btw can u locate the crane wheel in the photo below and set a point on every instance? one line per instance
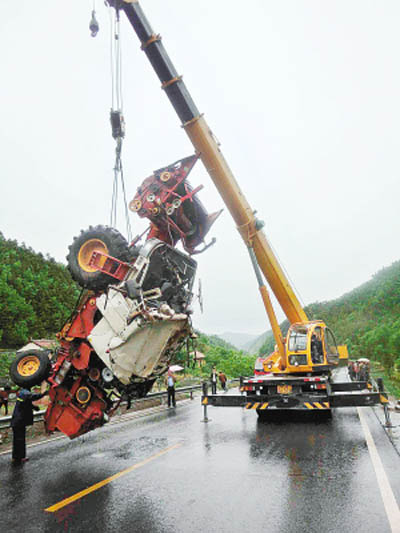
(96, 239)
(30, 368)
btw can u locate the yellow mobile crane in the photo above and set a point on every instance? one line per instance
(298, 373)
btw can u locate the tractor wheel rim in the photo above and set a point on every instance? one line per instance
(86, 251)
(28, 365)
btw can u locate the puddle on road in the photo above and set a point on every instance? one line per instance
(133, 448)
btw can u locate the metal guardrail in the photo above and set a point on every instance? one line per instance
(39, 415)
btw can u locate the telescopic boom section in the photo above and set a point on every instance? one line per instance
(206, 145)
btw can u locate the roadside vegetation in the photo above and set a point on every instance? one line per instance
(5, 361)
(392, 383)
(36, 294)
(224, 356)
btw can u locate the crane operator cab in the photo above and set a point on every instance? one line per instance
(309, 347)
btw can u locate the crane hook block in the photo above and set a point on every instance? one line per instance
(117, 124)
(94, 25)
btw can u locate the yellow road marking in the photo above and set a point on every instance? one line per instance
(248, 405)
(326, 404)
(308, 405)
(97, 486)
(256, 405)
(264, 406)
(318, 405)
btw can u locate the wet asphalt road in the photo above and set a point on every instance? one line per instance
(233, 474)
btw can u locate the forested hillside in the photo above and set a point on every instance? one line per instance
(224, 356)
(36, 294)
(367, 319)
(218, 352)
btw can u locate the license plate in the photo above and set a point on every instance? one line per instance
(284, 389)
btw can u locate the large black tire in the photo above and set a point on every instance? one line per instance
(30, 368)
(99, 238)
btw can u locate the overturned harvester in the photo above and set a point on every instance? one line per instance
(134, 312)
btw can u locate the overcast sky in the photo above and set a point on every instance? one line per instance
(303, 96)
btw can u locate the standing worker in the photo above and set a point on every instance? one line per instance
(4, 394)
(22, 417)
(171, 378)
(213, 378)
(350, 369)
(356, 371)
(364, 370)
(222, 380)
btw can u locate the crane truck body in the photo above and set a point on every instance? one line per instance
(297, 375)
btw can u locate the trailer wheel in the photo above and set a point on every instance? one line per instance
(96, 239)
(30, 368)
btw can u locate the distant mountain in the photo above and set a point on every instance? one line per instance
(216, 340)
(239, 340)
(254, 345)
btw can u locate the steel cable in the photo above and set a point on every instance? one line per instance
(117, 103)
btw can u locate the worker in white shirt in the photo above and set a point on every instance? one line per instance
(171, 378)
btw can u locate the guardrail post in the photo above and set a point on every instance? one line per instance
(381, 387)
(205, 395)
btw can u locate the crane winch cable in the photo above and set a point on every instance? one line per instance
(117, 120)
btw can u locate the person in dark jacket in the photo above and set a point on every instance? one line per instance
(317, 353)
(22, 417)
(213, 379)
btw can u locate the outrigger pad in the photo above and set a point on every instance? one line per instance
(170, 203)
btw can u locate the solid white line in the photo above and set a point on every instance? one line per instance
(389, 500)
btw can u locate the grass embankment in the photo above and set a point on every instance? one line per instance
(392, 384)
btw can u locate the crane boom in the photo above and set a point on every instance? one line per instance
(207, 146)
(297, 374)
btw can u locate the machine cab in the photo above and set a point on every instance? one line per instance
(311, 345)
